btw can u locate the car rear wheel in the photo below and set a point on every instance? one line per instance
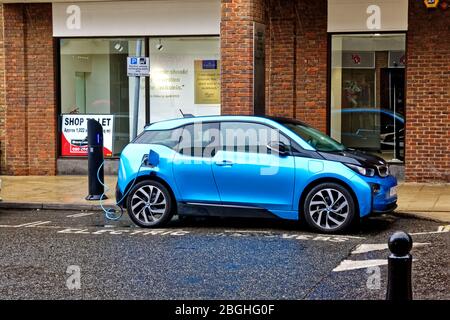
(329, 208)
(150, 204)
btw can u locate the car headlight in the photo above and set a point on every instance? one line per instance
(367, 172)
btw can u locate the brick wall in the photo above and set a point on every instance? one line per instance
(236, 41)
(41, 98)
(312, 63)
(281, 59)
(16, 145)
(428, 95)
(2, 93)
(296, 57)
(29, 90)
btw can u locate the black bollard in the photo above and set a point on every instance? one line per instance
(95, 160)
(399, 286)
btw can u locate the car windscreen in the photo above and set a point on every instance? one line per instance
(315, 138)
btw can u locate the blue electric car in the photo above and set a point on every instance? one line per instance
(250, 166)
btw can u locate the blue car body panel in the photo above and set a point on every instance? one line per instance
(246, 176)
(246, 179)
(194, 179)
(131, 159)
(382, 200)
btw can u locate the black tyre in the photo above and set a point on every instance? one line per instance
(149, 204)
(329, 208)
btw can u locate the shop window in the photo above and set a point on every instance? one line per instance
(367, 93)
(185, 75)
(94, 83)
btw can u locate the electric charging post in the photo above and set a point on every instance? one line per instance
(95, 161)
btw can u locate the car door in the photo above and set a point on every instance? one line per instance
(192, 163)
(247, 172)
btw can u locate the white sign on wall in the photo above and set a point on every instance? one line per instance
(367, 15)
(136, 18)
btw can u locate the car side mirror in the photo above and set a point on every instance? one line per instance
(278, 147)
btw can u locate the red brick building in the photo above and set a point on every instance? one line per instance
(374, 75)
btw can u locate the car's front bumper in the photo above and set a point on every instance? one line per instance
(384, 194)
(374, 194)
(386, 209)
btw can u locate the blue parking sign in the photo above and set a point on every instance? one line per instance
(138, 66)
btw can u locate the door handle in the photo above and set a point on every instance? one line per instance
(224, 163)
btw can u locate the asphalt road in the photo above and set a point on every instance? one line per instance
(42, 252)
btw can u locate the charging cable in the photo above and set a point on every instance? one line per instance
(112, 213)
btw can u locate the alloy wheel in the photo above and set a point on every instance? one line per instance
(148, 204)
(329, 208)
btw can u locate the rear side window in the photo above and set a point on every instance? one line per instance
(200, 140)
(168, 138)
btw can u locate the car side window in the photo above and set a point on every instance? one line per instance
(168, 138)
(250, 137)
(200, 140)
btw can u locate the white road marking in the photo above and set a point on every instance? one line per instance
(318, 237)
(368, 247)
(246, 231)
(312, 237)
(110, 229)
(160, 232)
(37, 224)
(26, 224)
(29, 224)
(79, 215)
(346, 265)
(440, 229)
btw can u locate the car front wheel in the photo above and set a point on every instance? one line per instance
(329, 208)
(149, 204)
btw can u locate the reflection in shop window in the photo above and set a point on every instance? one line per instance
(367, 93)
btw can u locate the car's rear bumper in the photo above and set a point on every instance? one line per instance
(120, 202)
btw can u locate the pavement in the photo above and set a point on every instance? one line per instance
(426, 201)
(49, 254)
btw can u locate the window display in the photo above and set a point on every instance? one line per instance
(367, 93)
